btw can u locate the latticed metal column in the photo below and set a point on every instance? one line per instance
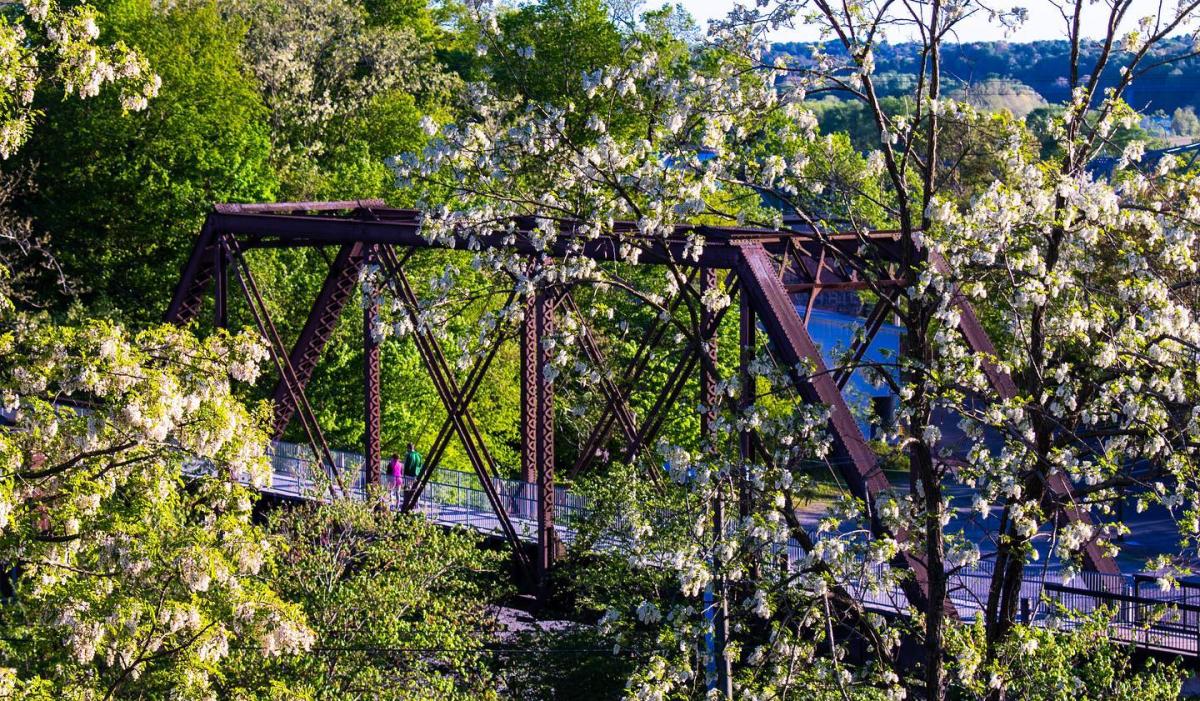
(708, 400)
(221, 278)
(371, 404)
(537, 424)
(746, 333)
(335, 292)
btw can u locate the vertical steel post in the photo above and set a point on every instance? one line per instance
(746, 438)
(530, 372)
(537, 425)
(371, 404)
(708, 400)
(221, 275)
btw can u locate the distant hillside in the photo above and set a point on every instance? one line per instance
(995, 94)
(1041, 65)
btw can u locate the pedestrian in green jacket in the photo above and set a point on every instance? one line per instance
(413, 462)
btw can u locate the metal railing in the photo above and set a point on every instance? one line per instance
(1167, 623)
(451, 497)
(1140, 611)
(1143, 612)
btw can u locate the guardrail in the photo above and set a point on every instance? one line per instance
(1165, 624)
(1144, 614)
(451, 497)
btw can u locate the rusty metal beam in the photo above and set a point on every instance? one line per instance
(612, 393)
(746, 347)
(188, 297)
(794, 346)
(707, 352)
(402, 228)
(708, 360)
(667, 396)
(847, 285)
(451, 397)
(435, 359)
(634, 370)
(675, 384)
(815, 291)
(221, 293)
(862, 343)
(287, 372)
(463, 401)
(852, 455)
(440, 443)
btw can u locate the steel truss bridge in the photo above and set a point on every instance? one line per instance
(766, 270)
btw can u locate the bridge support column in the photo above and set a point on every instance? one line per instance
(746, 332)
(371, 403)
(537, 427)
(709, 400)
(221, 278)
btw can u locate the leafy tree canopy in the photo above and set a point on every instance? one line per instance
(124, 194)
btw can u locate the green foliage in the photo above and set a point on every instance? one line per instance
(44, 44)
(304, 99)
(555, 30)
(576, 664)
(400, 608)
(124, 194)
(891, 458)
(841, 187)
(126, 529)
(539, 52)
(851, 117)
(423, 18)
(1044, 664)
(577, 659)
(346, 83)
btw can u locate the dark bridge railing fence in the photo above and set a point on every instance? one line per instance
(1139, 609)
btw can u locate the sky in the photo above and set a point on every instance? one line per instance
(1044, 22)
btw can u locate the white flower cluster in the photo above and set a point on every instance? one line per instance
(1078, 268)
(161, 414)
(66, 51)
(280, 633)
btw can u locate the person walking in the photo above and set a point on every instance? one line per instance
(413, 462)
(412, 466)
(396, 471)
